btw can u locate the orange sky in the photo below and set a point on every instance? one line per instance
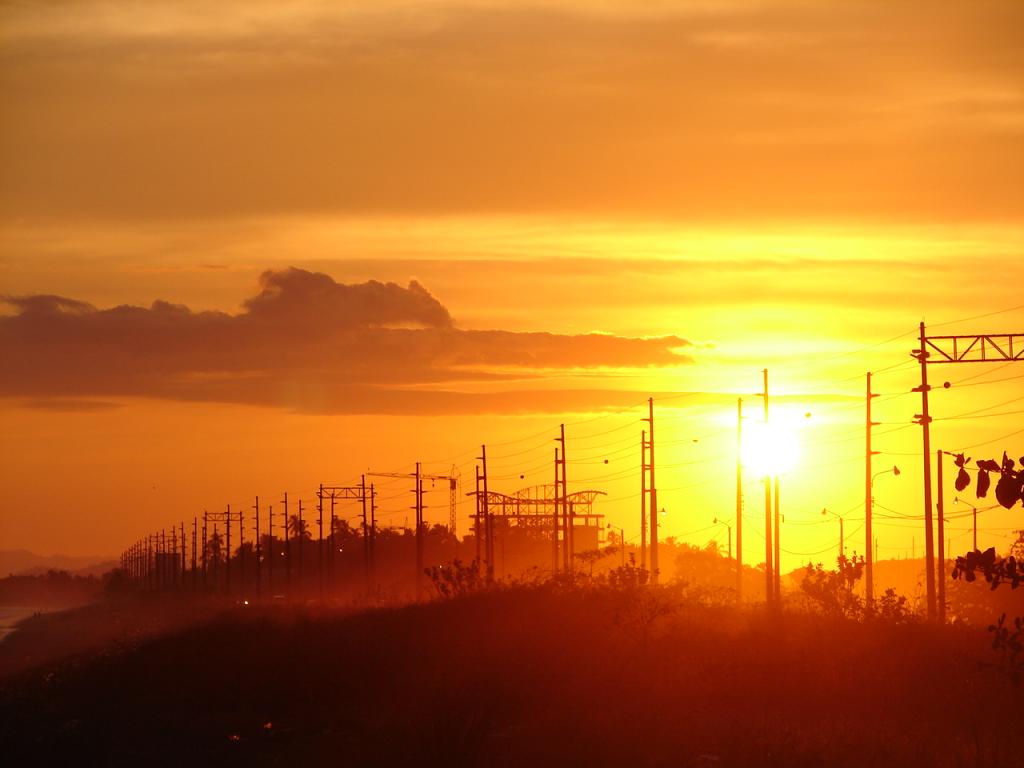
(712, 187)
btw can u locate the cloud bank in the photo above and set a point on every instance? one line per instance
(305, 342)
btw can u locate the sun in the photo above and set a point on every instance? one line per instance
(773, 448)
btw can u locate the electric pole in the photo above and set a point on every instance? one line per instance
(869, 501)
(924, 419)
(941, 525)
(643, 499)
(768, 551)
(419, 531)
(568, 513)
(554, 520)
(227, 571)
(320, 541)
(258, 549)
(739, 500)
(654, 493)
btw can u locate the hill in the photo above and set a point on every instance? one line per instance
(525, 676)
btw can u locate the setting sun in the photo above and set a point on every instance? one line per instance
(773, 448)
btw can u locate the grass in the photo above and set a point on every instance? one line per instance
(526, 676)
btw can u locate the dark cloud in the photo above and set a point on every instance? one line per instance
(304, 341)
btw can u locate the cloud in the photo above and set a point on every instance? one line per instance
(763, 110)
(304, 341)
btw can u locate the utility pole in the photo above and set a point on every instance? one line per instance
(241, 552)
(768, 551)
(419, 531)
(183, 554)
(869, 501)
(258, 549)
(287, 552)
(969, 348)
(554, 520)
(924, 419)
(227, 559)
(195, 542)
(366, 534)
(273, 547)
(488, 523)
(974, 516)
(562, 505)
(941, 524)
(653, 492)
(778, 548)
(320, 541)
(478, 521)
(568, 513)
(739, 500)
(205, 521)
(643, 499)
(373, 535)
(302, 537)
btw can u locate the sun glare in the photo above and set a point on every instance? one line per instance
(773, 448)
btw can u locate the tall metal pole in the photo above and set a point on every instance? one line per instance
(842, 537)
(287, 551)
(241, 552)
(974, 515)
(768, 551)
(778, 547)
(205, 522)
(643, 499)
(320, 541)
(739, 499)
(273, 548)
(488, 524)
(227, 570)
(366, 533)
(419, 531)
(302, 541)
(924, 419)
(554, 521)
(567, 509)
(654, 494)
(940, 574)
(332, 548)
(869, 560)
(258, 550)
(478, 523)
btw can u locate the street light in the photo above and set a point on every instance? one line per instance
(841, 536)
(728, 527)
(974, 515)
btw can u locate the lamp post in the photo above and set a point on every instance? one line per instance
(974, 518)
(728, 527)
(869, 562)
(841, 536)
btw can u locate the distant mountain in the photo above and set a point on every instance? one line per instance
(21, 561)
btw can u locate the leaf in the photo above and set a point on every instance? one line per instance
(1008, 490)
(984, 481)
(962, 479)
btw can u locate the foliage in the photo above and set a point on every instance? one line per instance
(457, 579)
(833, 590)
(994, 568)
(1009, 486)
(893, 607)
(591, 556)
(628, 576)
(1009, 644)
